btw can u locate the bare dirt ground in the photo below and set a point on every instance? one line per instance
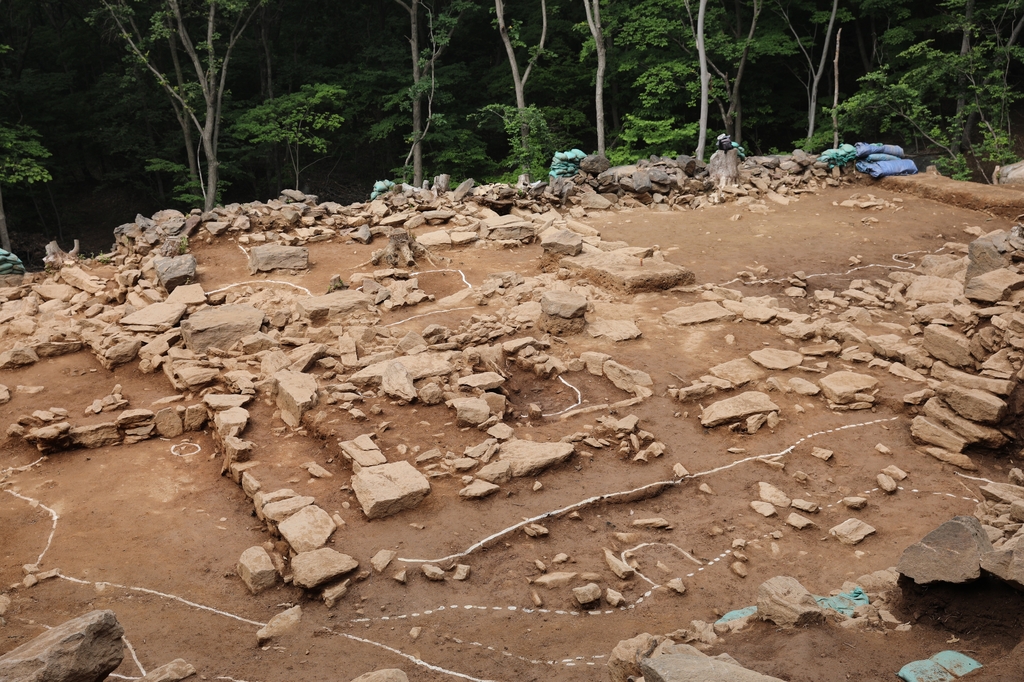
(155, 536)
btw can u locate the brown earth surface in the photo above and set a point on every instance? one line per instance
(157, 536)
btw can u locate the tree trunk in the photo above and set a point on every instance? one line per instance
(5, 239)
(705, 77)
(182, 116)
(835, 96)
(961, 100)
(417, 99)
(519, 82)
(593, 8)
(812, 99)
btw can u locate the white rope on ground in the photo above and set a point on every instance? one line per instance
(18, 470)
(53, 515)
(175, 449)
(611, 496)
(261, 281)
(436, 312)
(898, 257)
(427, 272)
(408, 657)
(135, 658)
(579, 399)
(164, 595)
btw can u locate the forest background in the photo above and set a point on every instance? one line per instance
(110, 108)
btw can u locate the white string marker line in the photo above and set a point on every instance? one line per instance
(53, 515)
(427, 272)
(135, 658)
(896, 257)
(408, 657)
(123, 677)
(579, 399)
(610, 496)
(164, 595)
(261, 281)
(436, 312)
(18, 470)
(175, 449)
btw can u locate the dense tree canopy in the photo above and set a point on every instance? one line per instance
(133, 105)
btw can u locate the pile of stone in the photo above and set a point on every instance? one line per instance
(683, 182)
(962, 348)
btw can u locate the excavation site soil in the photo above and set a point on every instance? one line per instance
(153, 530)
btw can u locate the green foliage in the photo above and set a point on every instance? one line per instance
(183, 246)
(20, 154)
(187, 191)
(532, 154)
(296, 120)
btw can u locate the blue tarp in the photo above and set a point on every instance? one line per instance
(945, 666)
(845, 602)
(864, 149)
(884, 169)
(875, 158)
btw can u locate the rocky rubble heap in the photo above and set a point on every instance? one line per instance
(962, 351)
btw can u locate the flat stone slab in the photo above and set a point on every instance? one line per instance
(484, 381)
(614, 330)
(625, 273)
(928, 289)
(564, 304)
(951, 553)
(158, 317)
(698, 313)
(322, 309)
(307, 529)
(388, 489)
(220, 326)
(738, 372)
(310, 569)
(851, 531)
(269, 257)
(737, 407)
(843, 387)
(528, 458)
(419, 366)
(772, 358)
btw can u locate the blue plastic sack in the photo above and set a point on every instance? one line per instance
(875, 158)
(864, 149)
(945, 666)
(884, 169)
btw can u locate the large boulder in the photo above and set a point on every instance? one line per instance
(220, 326)
(843, 387)
(1006, 564)
(387, 489)
(175, 271)
(83, 649)
(785, 602)
(951, 553)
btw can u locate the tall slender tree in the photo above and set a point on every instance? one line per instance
(593, 10)
(211, 68)
(519, 81)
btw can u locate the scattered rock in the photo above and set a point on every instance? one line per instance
(388, 489)
(785, 602)
(951, 553)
